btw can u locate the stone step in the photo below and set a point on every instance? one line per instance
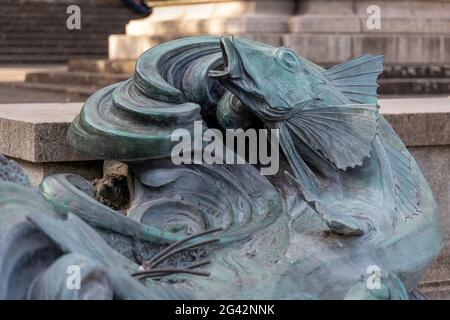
(416, 71)
(51, 43)
(104, 17)
(102, 65)
(24, 17)
(110, 3)
(30, 6)
(36, 31)
(75, 78)
(60, 24)
(74, 50)
(95, 73)
(412, 86)
(76, 36)
(77, 91)
(436, 290)
(61, 28)
(60, 13)
(57, 6)
(14, 58)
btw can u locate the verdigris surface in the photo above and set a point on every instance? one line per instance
(348, 200)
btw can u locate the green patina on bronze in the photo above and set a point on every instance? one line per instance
(349, 196)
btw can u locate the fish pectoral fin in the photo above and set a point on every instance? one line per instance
(338, 222)
(357, 78)
(341, 222)
(306, 179)
(342, 134)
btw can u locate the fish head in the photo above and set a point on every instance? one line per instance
(271, 81)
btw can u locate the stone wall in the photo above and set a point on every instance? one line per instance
(324, 31)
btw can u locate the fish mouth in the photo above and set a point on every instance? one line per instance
(231, 61)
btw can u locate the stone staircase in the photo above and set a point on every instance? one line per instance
(85, 76)
(35, 30)
(415, 80)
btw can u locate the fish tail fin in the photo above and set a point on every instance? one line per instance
(357, 78)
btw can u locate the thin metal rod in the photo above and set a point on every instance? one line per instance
(168, 271)
(198, 264)
(180, 242)
(169, 254)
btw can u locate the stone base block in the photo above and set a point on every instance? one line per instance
(397, 49)
(39, 170)
(434, 161)
(188, 17)
(36, 132)
(419, 121)
(435, 283)
(131, 47)
(122, 46)
(358, 24)
(231, 25)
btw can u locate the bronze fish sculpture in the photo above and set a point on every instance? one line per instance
(329, 126)
(355, 219)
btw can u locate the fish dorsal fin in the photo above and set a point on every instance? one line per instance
(342, 134)
(357, 78)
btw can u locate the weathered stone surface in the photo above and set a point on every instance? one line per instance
(411, 25)
(416, 71)
(414, 86)
(402, 48)
(192, 18)
(435, 283)
(230, 25)
(324, 23)
(130, 47)
(327, 48)
(320, 48)
(76, 78)
(419, 121)
(37, 132)
(39, 170)
(102, 65)
(35, 31)
(411, 32)
(434, 161)
(125, 47)
(260, 20)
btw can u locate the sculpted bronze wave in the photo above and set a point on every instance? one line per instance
(348, 215)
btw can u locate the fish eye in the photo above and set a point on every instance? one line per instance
(287, 58)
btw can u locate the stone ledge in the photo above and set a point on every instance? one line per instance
(37, 171)
(357, 24)
(37, 132)
(419, 121)
(126, 47)
(332, 48)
